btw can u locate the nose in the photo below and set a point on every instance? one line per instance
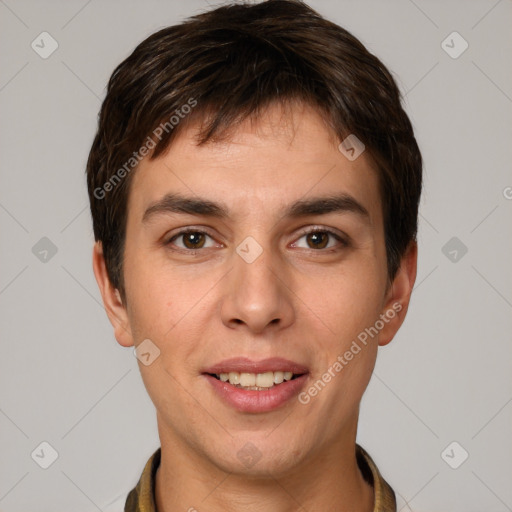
(258, 294)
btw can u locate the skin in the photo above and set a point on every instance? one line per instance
(296, 301)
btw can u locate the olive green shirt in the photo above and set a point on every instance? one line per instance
(142, 497)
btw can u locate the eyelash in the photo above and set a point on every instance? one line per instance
(343, 241)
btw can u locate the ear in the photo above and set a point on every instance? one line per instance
(114, 307)
(397, 298)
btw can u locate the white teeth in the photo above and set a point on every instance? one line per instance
(234, 378)
(256, 381)
(278, 377)
(265, 380)
(247, 379)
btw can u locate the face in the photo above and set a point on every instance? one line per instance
(264, 253)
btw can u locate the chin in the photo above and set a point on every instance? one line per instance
(256, 455)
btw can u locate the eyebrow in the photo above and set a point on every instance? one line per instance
(176, 203)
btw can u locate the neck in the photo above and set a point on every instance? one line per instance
(331, 480)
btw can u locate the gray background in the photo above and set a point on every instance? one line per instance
(445, 377)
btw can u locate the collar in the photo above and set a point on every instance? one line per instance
(142, 497)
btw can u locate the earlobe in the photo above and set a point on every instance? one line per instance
(114, 307)
(399, 294)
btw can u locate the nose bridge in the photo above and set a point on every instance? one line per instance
(256, 295)
(253, 267)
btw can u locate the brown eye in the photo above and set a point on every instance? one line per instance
(193, 240)
(317, 240)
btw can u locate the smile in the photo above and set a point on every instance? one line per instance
(256, 381)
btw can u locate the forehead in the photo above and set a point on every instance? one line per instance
(268, 161)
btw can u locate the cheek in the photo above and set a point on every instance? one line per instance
(155, 298)
(158, 305)
(354, 300)
(169, 312)
(345, 360)
(352, 305)
(172, 309)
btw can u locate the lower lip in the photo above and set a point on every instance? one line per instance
(246, 400)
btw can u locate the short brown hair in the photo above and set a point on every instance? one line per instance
(228, 64)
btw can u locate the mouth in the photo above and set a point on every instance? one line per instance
(245, 373)
(256, 386)
(255, 381)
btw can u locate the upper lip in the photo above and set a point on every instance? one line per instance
(246, 365)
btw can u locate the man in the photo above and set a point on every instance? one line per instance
(254, 187)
